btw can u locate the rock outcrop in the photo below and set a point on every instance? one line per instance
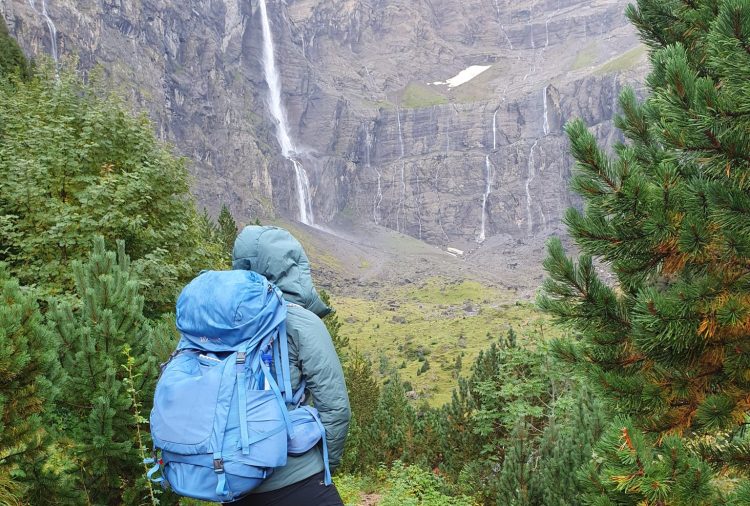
(381, 138)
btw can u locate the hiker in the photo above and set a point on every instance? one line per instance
(276, 254)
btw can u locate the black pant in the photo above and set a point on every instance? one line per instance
(309, 492)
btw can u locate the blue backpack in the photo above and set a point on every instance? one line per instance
(221, 417)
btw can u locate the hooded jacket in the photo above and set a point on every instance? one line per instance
(277, 255)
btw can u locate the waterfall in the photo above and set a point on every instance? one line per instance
(378, 200)
(368, 163)
(403, 182)
(545, 123)
(487, 191)
(400, 134)
(502, 27)
(529, 178)
(494, 130)
(531, 25)
(448, 127)
(52, 30)
(288, 150)
(418, 211)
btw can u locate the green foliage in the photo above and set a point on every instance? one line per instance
(29, 379)
(130, 379)
(565, 446)
(332, 323)
(507, 387)
(414, 486)
(427, 319)
(389, 434)
(226, 230)
(513, 483)
(106, 356)
(425, 367)
(364, 393)
(631, 468)
(667, 343)
(349, 488)
(75, 163)
(12, 59)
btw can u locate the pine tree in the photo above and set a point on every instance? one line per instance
(332, 323)
(209, 229)
(29, 375)
(628, 463)
(565, 446)
(390, 434)
(669, 215)
(513, 483)
(226, 230)
(364, 393)
(106, 321)
(456, 444)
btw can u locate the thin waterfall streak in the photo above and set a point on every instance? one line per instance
(612, 130)
(531, 25)
(378, 199)
(494, 130)
(487, 190)
(545, 123)
(52, 32)
(403, 182)
(368, 146)
(447, 133)
(288, 150)
(417, 208)
(400, 134)
(531, 173)
(502, 27)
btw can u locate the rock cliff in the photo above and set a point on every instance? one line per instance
(383, 132)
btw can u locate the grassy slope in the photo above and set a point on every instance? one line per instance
(438, 320)
(399, 299)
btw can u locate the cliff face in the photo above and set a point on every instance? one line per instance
(382, 134)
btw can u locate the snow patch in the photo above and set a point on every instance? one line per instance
(464, 76)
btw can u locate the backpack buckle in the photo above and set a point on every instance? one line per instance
(218, 466)
(240, 357)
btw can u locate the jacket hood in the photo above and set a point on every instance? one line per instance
(276, 254)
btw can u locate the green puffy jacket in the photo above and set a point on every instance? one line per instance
(277, 255)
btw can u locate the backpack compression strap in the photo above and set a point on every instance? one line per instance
(314, 412)
(226, 388)
(281, 361)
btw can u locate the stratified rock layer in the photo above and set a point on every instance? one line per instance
(379, 141)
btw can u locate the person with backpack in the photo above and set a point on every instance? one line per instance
(274, 253)
(251, 409)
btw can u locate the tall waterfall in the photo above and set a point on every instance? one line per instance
(51, 27)
(288, 150)
(487, 191)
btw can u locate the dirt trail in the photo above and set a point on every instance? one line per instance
(369, 500)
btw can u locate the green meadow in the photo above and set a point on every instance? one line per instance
(443, 323)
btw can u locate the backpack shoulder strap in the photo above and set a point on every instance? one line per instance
(281, 352)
